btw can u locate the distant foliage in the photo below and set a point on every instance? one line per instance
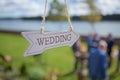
(94, 15)
(57, 11)
(91, 18)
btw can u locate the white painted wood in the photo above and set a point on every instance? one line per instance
(39, 42)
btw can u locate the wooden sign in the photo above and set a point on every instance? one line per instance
(39, 42)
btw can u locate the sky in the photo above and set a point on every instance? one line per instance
(32, 8)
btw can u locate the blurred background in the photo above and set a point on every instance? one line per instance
(16, 16)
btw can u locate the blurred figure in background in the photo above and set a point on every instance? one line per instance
(5, 63)
(92, 41)
(97, 62)
(118, 61)
(76, 51)
(110, 43)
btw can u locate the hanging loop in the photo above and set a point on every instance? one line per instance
(44, 15)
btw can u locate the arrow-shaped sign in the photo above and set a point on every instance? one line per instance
(40, 42)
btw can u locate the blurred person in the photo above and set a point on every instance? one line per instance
(76, 51)
(92, 41)
(110, 43)
(118, 61)
(97, 62)
(5, 63)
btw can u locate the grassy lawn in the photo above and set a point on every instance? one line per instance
(60, 59)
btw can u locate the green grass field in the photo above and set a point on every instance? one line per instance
(59, 59)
